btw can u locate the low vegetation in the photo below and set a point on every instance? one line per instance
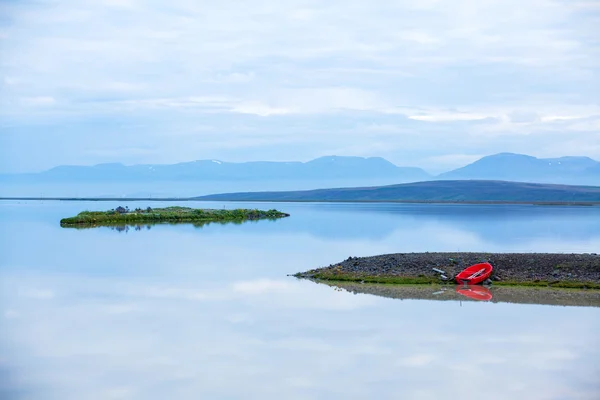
(123, 215)
(396, 280)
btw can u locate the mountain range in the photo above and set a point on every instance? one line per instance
(523, 168)
(502, 166)
(333, 167)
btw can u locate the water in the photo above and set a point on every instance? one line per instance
(209, 313)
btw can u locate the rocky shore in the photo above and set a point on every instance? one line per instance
(527, 269)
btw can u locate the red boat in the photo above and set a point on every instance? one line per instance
(475, 274)
(475, 292)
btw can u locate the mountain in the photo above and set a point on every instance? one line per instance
(462, 190)
(523, 168)
(324, 168)
(323, 172)
(593, 170)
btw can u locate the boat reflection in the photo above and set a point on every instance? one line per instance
(475, 292)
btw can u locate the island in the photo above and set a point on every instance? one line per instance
(175, 214)
(521, 269)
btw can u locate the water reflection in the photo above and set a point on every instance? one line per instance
(512, 224)
(433, 226)
(179, 312)
(126, 227)
(75, 337)
(475, 292)
(495, 294)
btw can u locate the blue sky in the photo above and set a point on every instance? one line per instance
(435, 84)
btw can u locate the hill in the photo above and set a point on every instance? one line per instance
(524, 168)
(323, 172)
(331, 167)
(462, 190)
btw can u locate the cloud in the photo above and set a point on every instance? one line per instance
(261, 286)
(417, 360)
(523, 117)
(11, 314)
(448, 116)
(35, 293)
(38, 101)
(154, 347)
(260, 109)
(302, 70)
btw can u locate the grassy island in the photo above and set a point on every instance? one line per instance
(514, 269)
(122, 215)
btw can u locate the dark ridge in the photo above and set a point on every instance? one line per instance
(432, 191)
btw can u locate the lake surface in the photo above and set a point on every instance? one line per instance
(178, 312)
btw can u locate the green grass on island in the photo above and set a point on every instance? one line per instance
(123, 215)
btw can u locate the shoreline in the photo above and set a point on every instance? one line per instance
(510, 269)
(466, 202)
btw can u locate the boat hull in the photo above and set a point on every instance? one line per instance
(475, 274)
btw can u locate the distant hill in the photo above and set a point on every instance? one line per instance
(324, 168)
(461, 190)
(330, 171)
(523, 168)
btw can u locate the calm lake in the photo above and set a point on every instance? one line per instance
(178, 312)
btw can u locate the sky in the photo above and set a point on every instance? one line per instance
(429, 83)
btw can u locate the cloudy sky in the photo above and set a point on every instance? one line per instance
(430, 83)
